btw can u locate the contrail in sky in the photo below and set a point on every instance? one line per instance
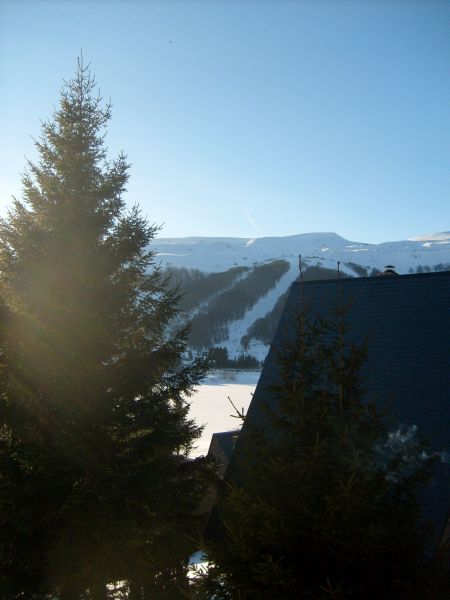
(248, 217)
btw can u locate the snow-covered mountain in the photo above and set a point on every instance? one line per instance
(219, 254)
(213, 255)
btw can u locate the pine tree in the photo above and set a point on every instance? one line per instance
(321, 501)
(95, 483)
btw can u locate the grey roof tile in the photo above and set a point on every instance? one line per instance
(407, 319)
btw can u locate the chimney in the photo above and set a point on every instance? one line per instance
(388, 270)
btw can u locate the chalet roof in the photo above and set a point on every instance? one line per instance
(407, 319)
(225, 440)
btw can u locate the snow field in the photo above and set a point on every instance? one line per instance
(211, 407)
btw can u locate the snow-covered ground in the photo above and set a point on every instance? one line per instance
(211, 407)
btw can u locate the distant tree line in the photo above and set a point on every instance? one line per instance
(427, 269)
(358, 269)
(317, 273)
(218, 357)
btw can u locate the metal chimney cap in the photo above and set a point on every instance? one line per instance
(389, 270)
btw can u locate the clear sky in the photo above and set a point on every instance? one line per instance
(246, 118)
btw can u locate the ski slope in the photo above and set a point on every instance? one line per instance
(237, 329)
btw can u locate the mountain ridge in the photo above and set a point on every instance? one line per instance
(210, 254)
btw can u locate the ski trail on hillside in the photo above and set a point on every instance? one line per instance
(265, 304)
(205, 303)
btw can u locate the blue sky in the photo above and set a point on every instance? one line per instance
(249, 118)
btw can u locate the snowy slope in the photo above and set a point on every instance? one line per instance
(325, 249)
(440, 238)
(264, 305)
(211, 407)
(219, 254)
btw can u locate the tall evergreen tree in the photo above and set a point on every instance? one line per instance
(95, 483)
(321, 500)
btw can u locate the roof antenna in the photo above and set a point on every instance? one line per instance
(339, 269)
(300, 266)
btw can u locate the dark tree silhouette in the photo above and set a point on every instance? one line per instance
(319, 502)
(95, 484)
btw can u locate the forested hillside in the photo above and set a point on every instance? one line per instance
(217, 299)
(196, 286)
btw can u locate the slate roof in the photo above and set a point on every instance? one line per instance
(407, 319)
(221, 448)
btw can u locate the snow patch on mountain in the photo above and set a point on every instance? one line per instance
(443, 236)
